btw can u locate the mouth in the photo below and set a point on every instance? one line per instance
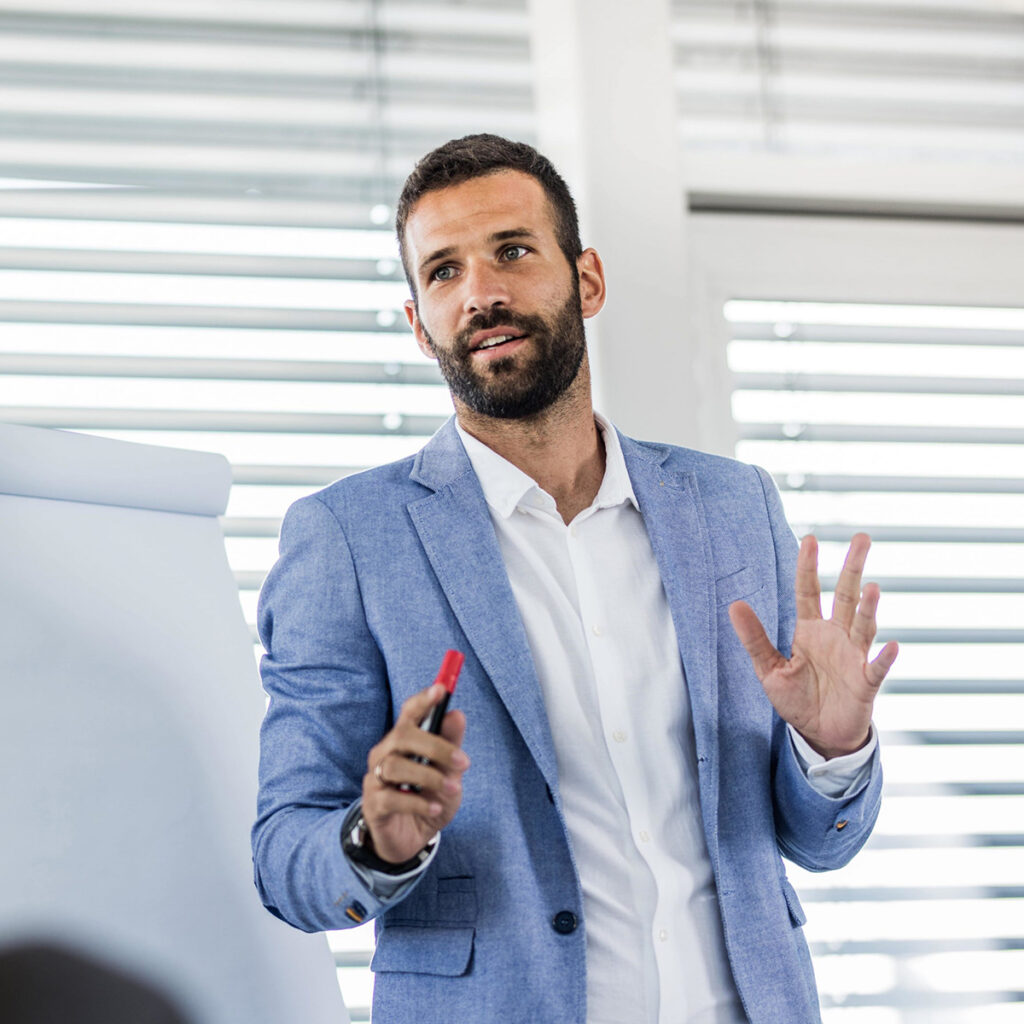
(497, 341)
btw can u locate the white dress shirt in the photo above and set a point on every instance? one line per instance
(600, 631)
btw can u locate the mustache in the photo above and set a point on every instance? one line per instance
(525, 323)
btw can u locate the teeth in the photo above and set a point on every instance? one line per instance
(499, 340)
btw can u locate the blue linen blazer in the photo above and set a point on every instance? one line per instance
(383, 571)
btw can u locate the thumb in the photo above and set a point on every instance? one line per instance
(753, 637)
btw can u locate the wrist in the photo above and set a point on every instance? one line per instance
(357, 845)
(830, 753)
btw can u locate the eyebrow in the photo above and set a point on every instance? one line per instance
(504, 236)
(498, 236)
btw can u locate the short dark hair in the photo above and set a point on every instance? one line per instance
(475, 156)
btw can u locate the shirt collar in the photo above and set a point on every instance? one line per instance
(506, 487)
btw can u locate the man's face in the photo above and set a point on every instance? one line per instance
(499, 306)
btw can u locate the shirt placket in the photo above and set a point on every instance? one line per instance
(611, 655)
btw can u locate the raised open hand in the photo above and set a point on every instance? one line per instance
(827, 687)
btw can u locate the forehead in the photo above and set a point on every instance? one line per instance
(474, 209)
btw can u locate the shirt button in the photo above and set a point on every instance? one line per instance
(564, 922)
(663, 935)
(645, 837)
(619, 736)
(597, 630)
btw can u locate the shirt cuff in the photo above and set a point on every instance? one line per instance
(385, 886)
(837, 776)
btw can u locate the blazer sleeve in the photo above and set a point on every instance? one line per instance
(813, 830)
(329, 703)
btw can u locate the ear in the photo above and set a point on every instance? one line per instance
(592, 287)
(417, 329)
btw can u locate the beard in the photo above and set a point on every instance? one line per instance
(516, 386)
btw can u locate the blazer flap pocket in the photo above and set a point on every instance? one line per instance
(445, 951)
(443, 902)
(796, 912)
(736, 585)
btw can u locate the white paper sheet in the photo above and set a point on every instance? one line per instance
(81, 467)
(128, 732)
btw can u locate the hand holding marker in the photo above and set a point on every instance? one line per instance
(447, 676)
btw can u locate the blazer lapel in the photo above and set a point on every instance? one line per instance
(454, 526)
(674, 516)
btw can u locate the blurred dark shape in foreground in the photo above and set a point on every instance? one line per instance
(45, 984)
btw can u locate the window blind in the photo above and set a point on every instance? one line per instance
(908, 422)
(867, 106)
(926, 78)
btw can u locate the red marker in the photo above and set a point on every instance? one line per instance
(447, 676)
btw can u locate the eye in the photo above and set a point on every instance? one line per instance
(443, 273)
(514, 252)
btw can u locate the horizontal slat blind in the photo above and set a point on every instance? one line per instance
(322, 98)
(195, 240)
(907, 422)
(939, 79)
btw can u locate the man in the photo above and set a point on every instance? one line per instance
(613, 854)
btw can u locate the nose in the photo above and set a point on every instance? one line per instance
(485, 287)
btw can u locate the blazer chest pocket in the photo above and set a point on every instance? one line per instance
(424, 950)
(736, 586)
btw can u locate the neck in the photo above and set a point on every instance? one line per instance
(560, 448)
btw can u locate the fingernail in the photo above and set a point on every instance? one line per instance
(435, 810)
(452, 785)
(459, 759)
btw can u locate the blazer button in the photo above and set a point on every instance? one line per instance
(564, 922)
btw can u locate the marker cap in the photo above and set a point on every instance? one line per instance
(448, 673)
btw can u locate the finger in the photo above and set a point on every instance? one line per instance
(453, 728)
(415, 709)
(377, 775)
(412, 741)
(865, 623)
(847, 594)
(808, 587)
(407, 773)
(753, 637)
(878, 669)
(382, 804)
